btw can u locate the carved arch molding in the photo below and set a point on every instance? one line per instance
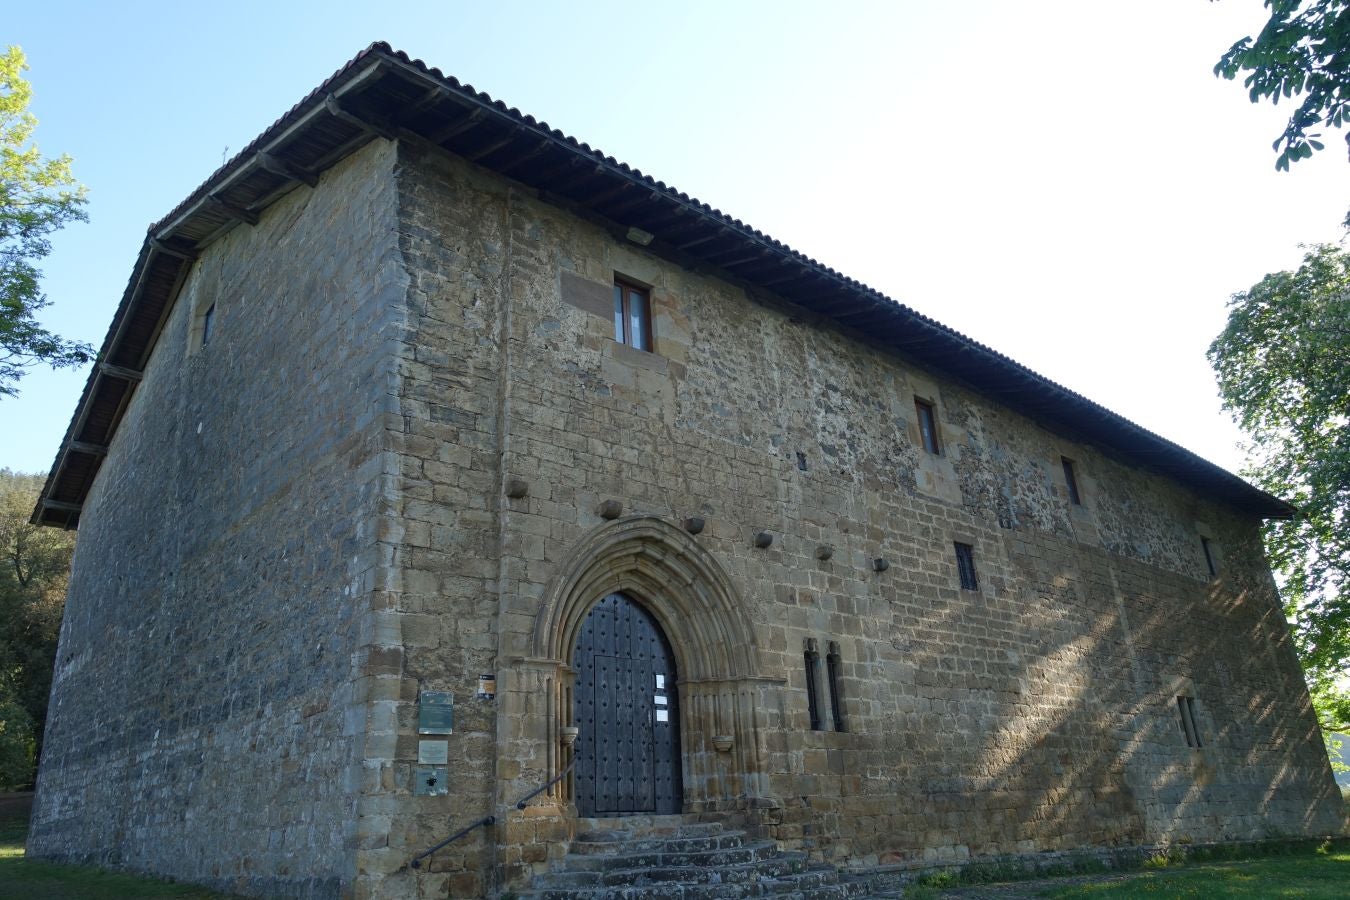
(726, 708)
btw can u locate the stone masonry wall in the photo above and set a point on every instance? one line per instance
(205, 720)
(1035, 713)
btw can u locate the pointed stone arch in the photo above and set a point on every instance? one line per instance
(725, 706)
(673, 576)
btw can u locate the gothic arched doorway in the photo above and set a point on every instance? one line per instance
(627, 713)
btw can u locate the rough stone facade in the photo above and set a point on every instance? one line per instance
(385, 472)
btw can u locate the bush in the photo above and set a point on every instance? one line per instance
(17, 746)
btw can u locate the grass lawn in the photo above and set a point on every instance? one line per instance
(1277, 869)
(1313, 876)
(22, 879)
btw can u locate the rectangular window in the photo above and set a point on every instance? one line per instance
(927, 425)
(1186, 706)
(965, 564)
(1209, 557)
(632, 315)
(832, 666)
(1070, 481)
(812, 659)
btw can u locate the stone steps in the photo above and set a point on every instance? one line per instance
(665, 858)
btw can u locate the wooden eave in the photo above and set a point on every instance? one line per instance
(383, 94)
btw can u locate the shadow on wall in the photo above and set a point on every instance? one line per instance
(1048, 719)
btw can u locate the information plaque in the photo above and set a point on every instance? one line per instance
(436, 712)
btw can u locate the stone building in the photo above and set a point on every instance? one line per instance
(432, 452)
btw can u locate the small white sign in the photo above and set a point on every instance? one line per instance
(434, 753)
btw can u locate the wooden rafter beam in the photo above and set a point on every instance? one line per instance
(609, 193)
(88, 447)
(337, 110)
(472, 120)
(277, 166)
(237, 213)
(491, 146)
(586, 174)
(168, 250)
(121, 372)
(422, 104)
(525, 156)
(62, 506)
(719, 233)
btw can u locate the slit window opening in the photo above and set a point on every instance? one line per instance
(1186, 706)
(832, 666)
(812, 660)
(207, 318)
(965, 565)
(1071, 481)
(1209, 557)
(927, 425)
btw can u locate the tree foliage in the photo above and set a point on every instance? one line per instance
(37, 197)
(1283, 363)
(34, 570)
(1303, 51)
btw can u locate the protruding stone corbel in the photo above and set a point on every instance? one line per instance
(824, 552)
(880, 564)
(763, 540)
(517, 488)
(694, 524)
(609, 509)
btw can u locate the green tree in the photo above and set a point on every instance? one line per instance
(1301, 52)
(34, 571)
(37, 197)
(1283, 363)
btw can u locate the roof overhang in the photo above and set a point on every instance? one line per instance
(381, 93)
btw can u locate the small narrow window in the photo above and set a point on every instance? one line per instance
(1071, 482)
(832, 665)
(1209, 557)
(927, 425)
(207, 318)
(1186, 706)
(632, 315)
(812, 660)
(965, 565)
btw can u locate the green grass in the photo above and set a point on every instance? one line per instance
(23, 879)
(1273, 869)
(1311, 876)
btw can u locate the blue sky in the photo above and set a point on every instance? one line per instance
(1065, 181)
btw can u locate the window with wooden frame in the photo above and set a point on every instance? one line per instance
(632, 314)
(833, 663)
(1186, 706)
(1209, 557)
(965, 566)
(928, 432)
(1071, 481)
(811, 657)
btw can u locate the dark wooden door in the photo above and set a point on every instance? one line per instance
(627, 710)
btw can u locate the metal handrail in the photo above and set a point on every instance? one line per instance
(486, 820)
(520, 804)
(490, 820)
